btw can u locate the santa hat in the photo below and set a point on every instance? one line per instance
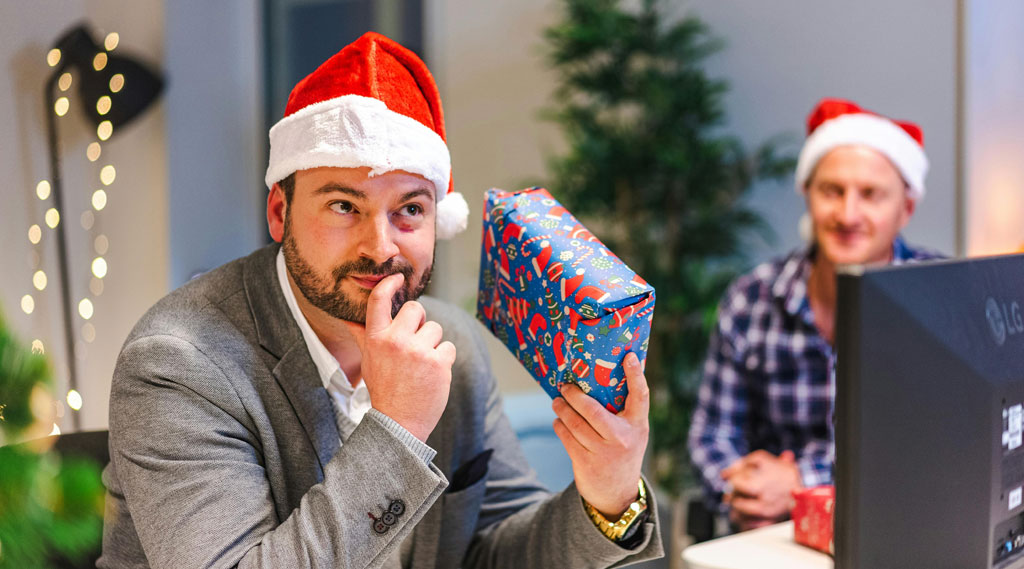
(373, 104)
(836, 122)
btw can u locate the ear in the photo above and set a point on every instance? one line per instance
(909, 205)
(277, 209)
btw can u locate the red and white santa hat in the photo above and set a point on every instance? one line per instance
(373, 104)
(837, 122)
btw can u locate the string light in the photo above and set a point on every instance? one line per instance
(74, 400)
(52, 218)
(87, 219)
(85, 309)
(99, 267)
(55, 431)
(43, 190)
(39, 280)
(28, 304)
(61, 106)
(99, 200)
(103, 105)
(104, 130)
(107, 175)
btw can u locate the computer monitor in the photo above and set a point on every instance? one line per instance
(929, 392)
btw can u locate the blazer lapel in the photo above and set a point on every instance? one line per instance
(295, 371)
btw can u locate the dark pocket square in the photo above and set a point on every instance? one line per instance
(471, 472)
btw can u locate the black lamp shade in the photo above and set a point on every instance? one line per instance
(139, 86)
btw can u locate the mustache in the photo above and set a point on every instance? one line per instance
(367, 267)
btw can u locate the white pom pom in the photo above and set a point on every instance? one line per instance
(452, 215)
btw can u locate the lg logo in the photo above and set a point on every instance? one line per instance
(1003, 319)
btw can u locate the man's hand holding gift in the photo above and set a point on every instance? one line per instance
(606, 449)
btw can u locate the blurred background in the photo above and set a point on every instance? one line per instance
(181, 188)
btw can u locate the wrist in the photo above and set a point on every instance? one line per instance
(623, 523)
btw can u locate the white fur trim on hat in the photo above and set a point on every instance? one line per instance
(452, 215)
(353, 131)
(869, 130)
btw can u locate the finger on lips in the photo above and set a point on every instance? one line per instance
(378, 305)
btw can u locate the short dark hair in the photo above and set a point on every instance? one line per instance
(288, 185)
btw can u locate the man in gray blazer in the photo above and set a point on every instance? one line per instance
(299, 408)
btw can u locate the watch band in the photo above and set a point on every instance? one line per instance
(616, 530)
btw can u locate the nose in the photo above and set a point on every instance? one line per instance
(377, 243)
(850, 209)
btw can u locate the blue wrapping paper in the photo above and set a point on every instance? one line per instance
(566, 306)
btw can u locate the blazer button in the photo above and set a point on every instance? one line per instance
(389, 518)
(380, 527)
(397, 507)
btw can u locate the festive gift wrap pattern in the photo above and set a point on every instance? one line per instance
(812, 517)
(566, 306)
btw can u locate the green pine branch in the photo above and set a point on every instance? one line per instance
(49, 507)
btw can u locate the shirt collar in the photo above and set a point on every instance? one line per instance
(326, 364)
(791, 285)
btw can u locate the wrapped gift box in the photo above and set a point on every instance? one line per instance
(566, 306)
(812, 517)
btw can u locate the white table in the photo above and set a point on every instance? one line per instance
(769, 547)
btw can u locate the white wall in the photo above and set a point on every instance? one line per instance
(994, 126)
(134, 220)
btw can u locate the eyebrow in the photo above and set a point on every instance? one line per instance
(415, 194)
(332, 187)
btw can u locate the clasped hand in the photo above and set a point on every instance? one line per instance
(762, 487)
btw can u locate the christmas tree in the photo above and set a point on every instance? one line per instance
(649, 166)
(50, 508)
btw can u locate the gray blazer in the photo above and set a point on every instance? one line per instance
(225, 453)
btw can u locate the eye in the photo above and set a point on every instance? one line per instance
(342, 207)
(411, 210)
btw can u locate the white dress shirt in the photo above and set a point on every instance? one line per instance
(350, 403)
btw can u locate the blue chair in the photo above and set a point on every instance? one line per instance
(531, 416)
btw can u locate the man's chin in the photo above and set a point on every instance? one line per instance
(857, 254)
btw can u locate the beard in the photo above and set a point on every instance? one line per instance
(325, 291)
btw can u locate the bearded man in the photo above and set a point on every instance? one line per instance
(300, 408)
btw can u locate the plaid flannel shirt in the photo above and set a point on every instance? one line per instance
(769, 377)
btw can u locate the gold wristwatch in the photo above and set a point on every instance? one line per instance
(617, 529)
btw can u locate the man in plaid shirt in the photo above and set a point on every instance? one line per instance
(763, 423)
